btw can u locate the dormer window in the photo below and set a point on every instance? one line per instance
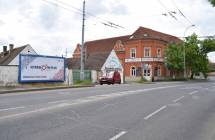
(131, 37)
(145, 34)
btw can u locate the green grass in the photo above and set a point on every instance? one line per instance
(83, 82)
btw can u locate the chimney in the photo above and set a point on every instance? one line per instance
(11, 46)
(4, 49)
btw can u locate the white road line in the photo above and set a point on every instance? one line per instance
(118, 135)
(194, 92)
(86, 100)
(178, 99)
(154, 113)
(6, 109)
(54, 102)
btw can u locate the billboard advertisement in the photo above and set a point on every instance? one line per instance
(37, 68)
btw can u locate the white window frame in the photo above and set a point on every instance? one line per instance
(133, 71)
(131, 52)
(146, 72)
(147, 51)
(159, 54)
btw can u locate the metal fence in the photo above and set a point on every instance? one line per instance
(76, 75)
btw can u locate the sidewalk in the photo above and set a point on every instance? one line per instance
(5, 90)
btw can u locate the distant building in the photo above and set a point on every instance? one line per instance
(140, 54)
(10, 56)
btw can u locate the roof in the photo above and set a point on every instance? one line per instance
(94, 62)
(6, 58)
(146, 33)
(103, 45)
(95, 59)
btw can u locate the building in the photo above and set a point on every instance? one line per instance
(140, 54)
(9, 61)
(10, 56)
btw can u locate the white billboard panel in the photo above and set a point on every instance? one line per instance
(37, 68)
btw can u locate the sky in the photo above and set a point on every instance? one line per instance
(53, 26)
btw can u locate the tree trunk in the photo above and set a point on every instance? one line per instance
(192, 74)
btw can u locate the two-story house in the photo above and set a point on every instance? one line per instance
(141, 53)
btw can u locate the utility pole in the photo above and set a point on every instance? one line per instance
(82, 44)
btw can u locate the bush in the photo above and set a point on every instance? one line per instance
(142, 80)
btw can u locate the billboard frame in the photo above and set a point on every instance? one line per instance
(39, 81)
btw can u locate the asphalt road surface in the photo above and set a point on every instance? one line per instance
(159, 111)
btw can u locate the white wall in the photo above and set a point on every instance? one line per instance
(94, 76)
(69, 77)
(8, 75)
(27, 50)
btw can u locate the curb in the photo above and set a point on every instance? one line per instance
(42, 89)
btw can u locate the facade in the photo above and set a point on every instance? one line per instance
(141, 54)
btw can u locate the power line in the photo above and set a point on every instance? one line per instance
(171, 13)
(183, 15)
(79, 11)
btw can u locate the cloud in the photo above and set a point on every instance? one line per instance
(48, 16)
(119, 9)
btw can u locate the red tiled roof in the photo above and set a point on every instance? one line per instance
(146, 33)
(103, 45)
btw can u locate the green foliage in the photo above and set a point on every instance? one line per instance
(196, 55)
(208, 45)
(212, 2)
(174, 57)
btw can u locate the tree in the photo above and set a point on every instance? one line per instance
(208, 45)
(212, 2)
(196, 54)
(174, 58)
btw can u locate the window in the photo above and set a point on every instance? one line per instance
(147, 52)
(147, 72)
(157, 71)
(133, 71)
(158, 52)
(133, 53)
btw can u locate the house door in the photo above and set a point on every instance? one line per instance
(147, 72)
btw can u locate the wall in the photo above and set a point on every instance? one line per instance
(8, 75)
(94, 76)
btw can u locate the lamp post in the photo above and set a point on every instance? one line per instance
(186, 29)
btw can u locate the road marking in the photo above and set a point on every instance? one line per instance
(118, 135)
(54, 102)
(6, 109)
(194, 92)
(86, 100)
(178, 99)
(154, 113)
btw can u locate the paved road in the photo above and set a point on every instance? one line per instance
(160, 111)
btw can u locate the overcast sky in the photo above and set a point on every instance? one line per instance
(51, 29)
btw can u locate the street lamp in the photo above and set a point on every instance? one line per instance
(185, 73)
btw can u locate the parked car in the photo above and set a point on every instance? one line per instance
(110, 78)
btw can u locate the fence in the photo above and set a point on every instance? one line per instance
(76, 75)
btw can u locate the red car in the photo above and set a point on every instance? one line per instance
(110, 78)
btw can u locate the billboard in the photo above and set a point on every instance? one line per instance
(38, 68)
